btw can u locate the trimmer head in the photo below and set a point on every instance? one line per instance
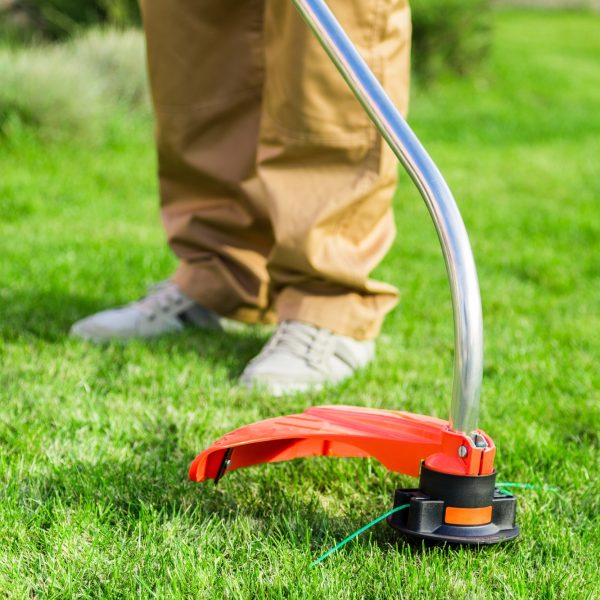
(456, 501)
(455, 510)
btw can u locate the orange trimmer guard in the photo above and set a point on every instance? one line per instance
(401, 441)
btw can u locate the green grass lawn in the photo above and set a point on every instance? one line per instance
(95, 442)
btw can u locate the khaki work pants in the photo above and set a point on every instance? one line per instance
(275, 188)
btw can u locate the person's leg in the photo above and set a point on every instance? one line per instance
(206, 73)
(329, 180)
(206, 68)
(328, 176)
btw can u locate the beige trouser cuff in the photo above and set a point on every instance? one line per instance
(213, 289)
(354, 315)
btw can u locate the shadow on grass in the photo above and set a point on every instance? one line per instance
(127, 500)
(153, 488)
(48, 316)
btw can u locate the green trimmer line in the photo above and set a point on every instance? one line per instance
(457, 500)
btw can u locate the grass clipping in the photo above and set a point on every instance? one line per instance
(68, 90)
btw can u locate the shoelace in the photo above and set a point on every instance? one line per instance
(161, 297)
(301, 340)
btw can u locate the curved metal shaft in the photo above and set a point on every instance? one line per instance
(462, 274)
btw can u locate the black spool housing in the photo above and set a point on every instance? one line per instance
(427, 515)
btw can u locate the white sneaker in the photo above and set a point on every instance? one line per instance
(165, 309)
(301, 356)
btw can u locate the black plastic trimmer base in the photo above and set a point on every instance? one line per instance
(427, 516)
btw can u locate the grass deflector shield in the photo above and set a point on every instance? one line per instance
(457, 500)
